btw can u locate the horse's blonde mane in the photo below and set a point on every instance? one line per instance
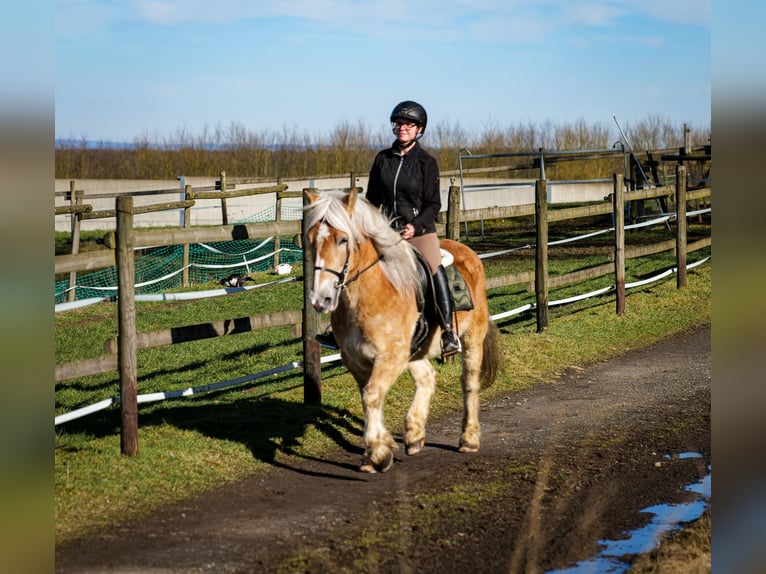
(367, 222)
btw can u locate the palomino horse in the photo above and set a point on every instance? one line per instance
(367, 277)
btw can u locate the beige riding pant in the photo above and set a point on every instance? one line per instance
(428, 245)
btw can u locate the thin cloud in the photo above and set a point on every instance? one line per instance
(74, 18)
(450, 18)
(690, 12)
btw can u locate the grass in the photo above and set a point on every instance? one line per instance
(187, 446)
(687, 551)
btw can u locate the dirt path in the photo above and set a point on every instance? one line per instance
(562, 466)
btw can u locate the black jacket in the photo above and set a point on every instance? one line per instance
(407, 187)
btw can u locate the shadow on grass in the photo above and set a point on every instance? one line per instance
(148, 374)
(265, 425)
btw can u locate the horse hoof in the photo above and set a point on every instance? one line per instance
(384, 465)
(415, 447)
(468, 448)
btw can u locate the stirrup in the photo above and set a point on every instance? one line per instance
(450, 344)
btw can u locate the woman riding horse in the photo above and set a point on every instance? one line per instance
(365, 275)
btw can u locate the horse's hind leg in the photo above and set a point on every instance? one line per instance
(424, 375)
(471, 382)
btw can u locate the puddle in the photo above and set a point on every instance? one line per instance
(683, 455)
(666, 518)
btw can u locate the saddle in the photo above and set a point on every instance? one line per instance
(426, 298)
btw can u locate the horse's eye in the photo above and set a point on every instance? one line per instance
(342, 241)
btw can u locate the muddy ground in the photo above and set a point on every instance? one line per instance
(562, 466)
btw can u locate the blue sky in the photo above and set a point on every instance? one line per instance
(157, 69)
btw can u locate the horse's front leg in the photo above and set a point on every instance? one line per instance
(378, 442)
(424, 375)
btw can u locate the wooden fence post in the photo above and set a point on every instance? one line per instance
(541, 253)
(453, 213)
(188, 195)
(224, 214)
(681, 226)
(75, 198)
(633, 182)
(618, 198)
(126, 309)
(277, 218)
(312, 354)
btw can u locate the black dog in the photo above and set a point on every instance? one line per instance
(235, 280)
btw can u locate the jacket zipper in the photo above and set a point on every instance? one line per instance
(396, 178)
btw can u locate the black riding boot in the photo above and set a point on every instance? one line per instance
(450, 342)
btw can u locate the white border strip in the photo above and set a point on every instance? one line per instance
(188, 392)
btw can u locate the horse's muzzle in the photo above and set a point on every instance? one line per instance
(323, 303)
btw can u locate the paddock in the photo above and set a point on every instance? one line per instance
(129, 235)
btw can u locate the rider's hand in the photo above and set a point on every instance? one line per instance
(408, 232)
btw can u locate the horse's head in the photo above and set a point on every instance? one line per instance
(329, 232)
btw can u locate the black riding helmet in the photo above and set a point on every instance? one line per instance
(410, 111)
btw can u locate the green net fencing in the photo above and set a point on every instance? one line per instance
(160, 269)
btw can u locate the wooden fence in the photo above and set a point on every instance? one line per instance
(222, 190)
(121, 353)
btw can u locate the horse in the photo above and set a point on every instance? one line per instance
(366, 276)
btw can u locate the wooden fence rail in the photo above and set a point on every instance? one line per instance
(92, 260)
(175, 335)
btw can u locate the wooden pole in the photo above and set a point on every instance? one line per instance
(75, 198)
(126, 315)
(633, 204)
(188, 196)
(277, 218)
(453, 213)
(619, 241)
(224, 214)
(687, 150)
(312, 354)
(541, 254)
(681, 225)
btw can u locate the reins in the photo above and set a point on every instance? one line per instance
(355, 277)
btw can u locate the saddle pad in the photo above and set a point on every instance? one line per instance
(447, 258)
(459, 289)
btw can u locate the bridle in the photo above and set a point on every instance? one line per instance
(342, 283)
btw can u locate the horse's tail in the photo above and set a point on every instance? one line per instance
(491, 356)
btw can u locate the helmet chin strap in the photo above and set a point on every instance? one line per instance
(405, 148)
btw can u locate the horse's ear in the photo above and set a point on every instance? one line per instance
(350, 199)
(310, 195)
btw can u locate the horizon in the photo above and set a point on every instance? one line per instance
(220, 143)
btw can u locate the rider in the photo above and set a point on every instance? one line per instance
(404, 183)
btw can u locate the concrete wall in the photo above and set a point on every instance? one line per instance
(477, 193)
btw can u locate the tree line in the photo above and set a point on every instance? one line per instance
(350, 147)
